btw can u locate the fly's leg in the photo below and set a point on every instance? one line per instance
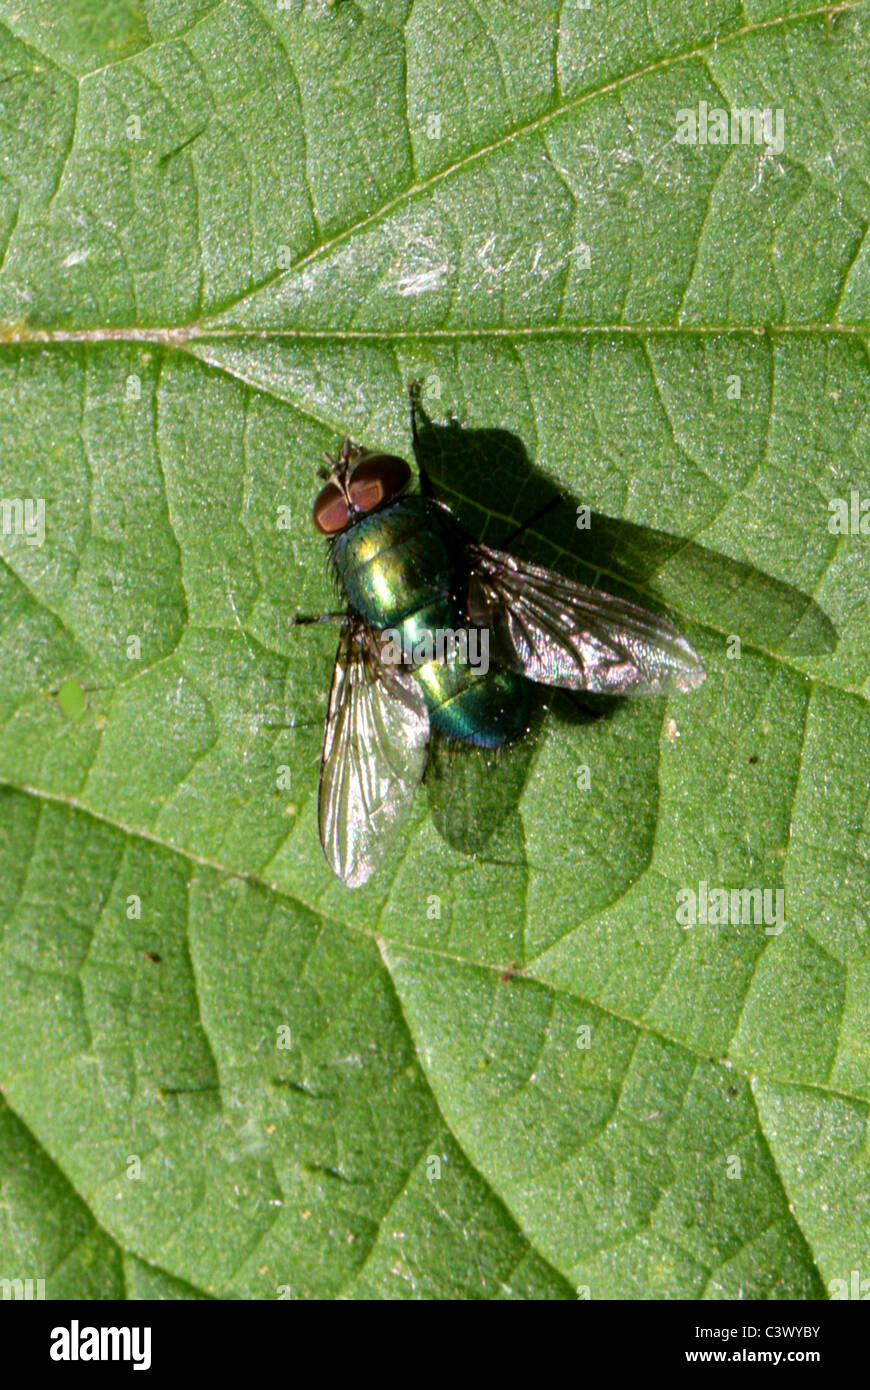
(413, 398)
(426, 488)
(301, 619)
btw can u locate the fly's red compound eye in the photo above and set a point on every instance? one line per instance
(377, 480)
(330, 510)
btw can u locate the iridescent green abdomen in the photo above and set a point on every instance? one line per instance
(403, 568)
(489, 709)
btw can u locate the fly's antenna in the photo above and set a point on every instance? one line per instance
(339, 468)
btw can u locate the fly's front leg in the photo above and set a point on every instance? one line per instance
(426, 488)
(301, 619)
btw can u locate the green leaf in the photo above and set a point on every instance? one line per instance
(230, 233)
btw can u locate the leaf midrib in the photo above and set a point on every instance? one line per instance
(24, 335)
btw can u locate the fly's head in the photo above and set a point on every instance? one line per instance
(359, 482)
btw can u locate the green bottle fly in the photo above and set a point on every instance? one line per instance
(412, 577)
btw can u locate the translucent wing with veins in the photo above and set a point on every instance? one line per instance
(561, 633)
(374, 754)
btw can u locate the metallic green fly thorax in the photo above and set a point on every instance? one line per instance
(398, 559)
(402, 568)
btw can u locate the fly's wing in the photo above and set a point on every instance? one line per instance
(561, 633)
(374, 753)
